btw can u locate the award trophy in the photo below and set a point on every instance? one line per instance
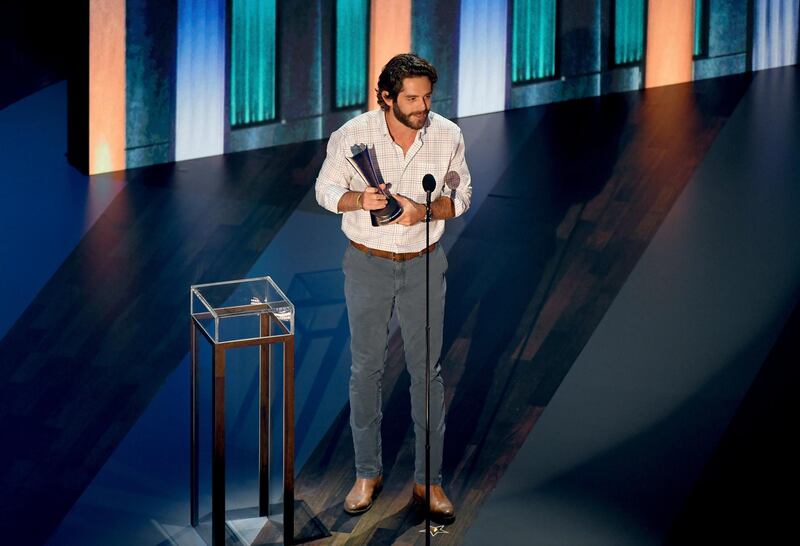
(362, 162)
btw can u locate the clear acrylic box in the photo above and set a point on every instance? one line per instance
(232, 310)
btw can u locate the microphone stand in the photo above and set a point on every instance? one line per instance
(427, 370)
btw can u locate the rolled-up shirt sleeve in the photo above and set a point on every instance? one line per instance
(457, 181)
(334, 177)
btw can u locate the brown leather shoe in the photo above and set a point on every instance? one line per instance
(442, 510)
(359, 499)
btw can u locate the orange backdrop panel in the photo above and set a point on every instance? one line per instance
(106, 85)
(389, 34)
(670, 42)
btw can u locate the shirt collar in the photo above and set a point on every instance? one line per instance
(382, 123)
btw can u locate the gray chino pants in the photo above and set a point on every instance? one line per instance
(375, 287)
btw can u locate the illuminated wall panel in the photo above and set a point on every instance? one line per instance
(578, 55)
(725, 39)
(253, 60)
(533, 47)
(699, 27)
(775, 33)
(670, 42)
(300, 45)
(192, 78)
(482, 57)
(200, 79)
(628, 31)
(389, 34)
(149, 81)
(106, 85)
(351, 52)
(727, 28)
(308, 96)
(434, 36)
(579, 37)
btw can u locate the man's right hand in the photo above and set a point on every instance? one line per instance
(372, 199)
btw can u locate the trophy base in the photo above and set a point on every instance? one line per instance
(382, 217)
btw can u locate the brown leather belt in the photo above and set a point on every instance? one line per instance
(394, 256)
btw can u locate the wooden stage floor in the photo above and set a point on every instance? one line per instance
(568, 197)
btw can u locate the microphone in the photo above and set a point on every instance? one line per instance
(428, 183)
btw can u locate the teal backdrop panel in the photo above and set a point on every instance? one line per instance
(628, 31)
(352, 26)
(699, 15)
(533, 54)
(253, 61)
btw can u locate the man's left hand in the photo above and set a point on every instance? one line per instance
(413, 212)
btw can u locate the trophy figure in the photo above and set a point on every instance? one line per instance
(363, 164)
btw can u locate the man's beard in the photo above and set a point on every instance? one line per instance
(413, 121)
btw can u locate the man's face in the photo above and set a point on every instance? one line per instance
(413, 102)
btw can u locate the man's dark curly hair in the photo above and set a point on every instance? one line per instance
(399, 67)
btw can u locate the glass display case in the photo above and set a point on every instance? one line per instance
(233, 314)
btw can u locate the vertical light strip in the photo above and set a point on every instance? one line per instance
(698, 27)
(106, 86)
(482, 57)
(628, 31)
(200, 93)
(670, 42)
(534, 40)
(351, 52)
(389, 34)
(253, 37)
(775, 33)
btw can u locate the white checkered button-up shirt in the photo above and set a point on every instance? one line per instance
(438, 149)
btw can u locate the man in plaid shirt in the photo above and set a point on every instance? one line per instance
(384, 266)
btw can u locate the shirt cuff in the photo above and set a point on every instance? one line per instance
(459, 206)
